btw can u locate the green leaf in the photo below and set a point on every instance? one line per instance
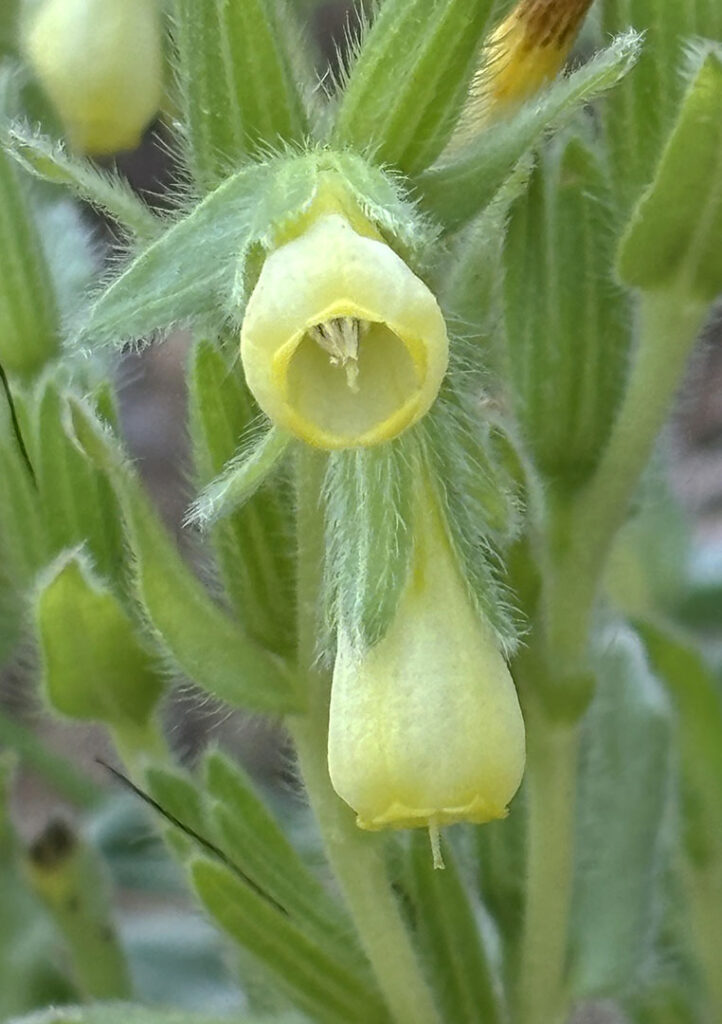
(204, 641)
(624, 793)
(95, 665)
(449, 936)
(254, 546)
(77, 503)
(237, 84)
(122, 1013)
(25, 545)
(641, 111)
(28, 316)
(321, 987)
(191, 271)
(566, 322)
(695, 693)
(258, 846)
(368, 501)
(675, 230)
(48, 160)
(501, 847)
(456, 189)
(409, 82)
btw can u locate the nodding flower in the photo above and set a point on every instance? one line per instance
(342, 344)
(425, 727)
(100, 63)
(524, 53)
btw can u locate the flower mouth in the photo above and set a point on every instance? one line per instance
(348, 379)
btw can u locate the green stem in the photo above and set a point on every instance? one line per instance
(670, 324)
(704, 885)
(552, 751)
(355, 857)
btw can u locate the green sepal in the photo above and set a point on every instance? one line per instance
(457, 188)
(449, 936)
(368, 496)
(480, 508)
(640, 112)
(95, 664)
(9, 27)
(104, 189)
(409, 81)
(254, 840)
(325, 989)
(201, 638)
(625, 791)
(674, 232)
(253, 546)
(28, 312)
(24, 542)
(567, 325)
(240, 479)
(238, 89)
(191, 271)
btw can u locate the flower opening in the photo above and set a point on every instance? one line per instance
(342, 344)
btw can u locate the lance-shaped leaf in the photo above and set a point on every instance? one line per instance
(641, 111)
(675, 230)
(237, 83)
(449, 934)
(28, 313)
(566, 322)
(255, 842)
(368, 495)
(327, 990)
(190, 272)
(409, 81)
(77, 503)
(104, 189)
(95, 663)
(254, 545)
(205, 642)
(456, 189)
(624, 792)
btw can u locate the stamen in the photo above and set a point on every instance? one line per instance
(340, 337)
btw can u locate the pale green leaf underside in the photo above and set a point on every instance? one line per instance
(456, 189)
(120, 1013)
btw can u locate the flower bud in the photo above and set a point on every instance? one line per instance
(100, 63)
(524, 53)
(425, 728)
(342, 344)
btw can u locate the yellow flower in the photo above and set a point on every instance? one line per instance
(342, 344)
(425, 728)
(525, 52)
(100, 63)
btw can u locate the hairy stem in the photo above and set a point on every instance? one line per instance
(670, 324)
(552, 750)
(356, 857)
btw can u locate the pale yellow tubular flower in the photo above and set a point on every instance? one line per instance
(342, 344)
(524, 53)
(100, 63)
(425, 728)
